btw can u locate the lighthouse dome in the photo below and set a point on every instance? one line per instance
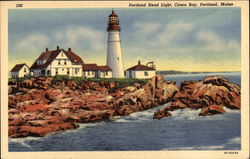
(113, 14)
(113, 23)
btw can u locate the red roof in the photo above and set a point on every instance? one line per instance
(94, 67)
(140, 67)
(49, 56)
(90, 67)
(104, 68)
(18, 67)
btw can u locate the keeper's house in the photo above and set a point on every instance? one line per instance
(57, 62)
(20, 70)
(140, 71)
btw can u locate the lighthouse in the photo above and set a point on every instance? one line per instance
(114, 54)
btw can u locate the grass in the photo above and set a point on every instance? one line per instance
(18, 79)
(121, 82)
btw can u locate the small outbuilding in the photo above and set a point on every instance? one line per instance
(141, 71)
(20, 70)
(90, 70)
(104, 72)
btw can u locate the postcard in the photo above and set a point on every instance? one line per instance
(124, 79)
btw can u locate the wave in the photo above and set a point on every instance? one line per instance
(189, 114)
(179, 114)
(25, 141)
(231, 144)
(231, 110)
(82, 126)
(140, 116)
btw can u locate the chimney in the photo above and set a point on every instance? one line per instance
(139, 62)
(69, 49)
(57, 47)
(47, 49)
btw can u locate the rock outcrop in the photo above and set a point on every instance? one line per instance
(210, 95)
(38, 106)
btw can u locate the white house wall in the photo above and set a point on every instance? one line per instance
(14, 74)
(140, 74)
(89, 74)
(21, 72)
(24, 71)
(132, 72)
(105, 74)
(62, 68)
(36, 72)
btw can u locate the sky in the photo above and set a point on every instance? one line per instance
(184, 39)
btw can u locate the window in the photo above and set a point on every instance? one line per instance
(92, 72)
(76, 70)
(62, 54)
(24, 70)
(88, 73)
(68, 71)
(118, 58)
(113, 18)
(65, 62)
(106, 73)
(59, 62)
(56, 71)
(145, 73)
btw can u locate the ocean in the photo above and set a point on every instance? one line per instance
(184, 130)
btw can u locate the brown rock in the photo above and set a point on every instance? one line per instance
(232, 105)
(161, 114)
(176, 105)
(38, 123)
(212, 110)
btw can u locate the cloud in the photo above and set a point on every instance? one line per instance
(33, 42)
(71, 36)
(146, 27)
(75, 36)
(233, 44)
(213, 42)
(208, 36)
(173, 32)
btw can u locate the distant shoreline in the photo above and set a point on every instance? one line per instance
(173, 72)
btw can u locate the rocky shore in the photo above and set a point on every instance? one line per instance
(210, 95)
(39, 106)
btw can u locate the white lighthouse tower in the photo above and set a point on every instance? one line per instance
(114, 54)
